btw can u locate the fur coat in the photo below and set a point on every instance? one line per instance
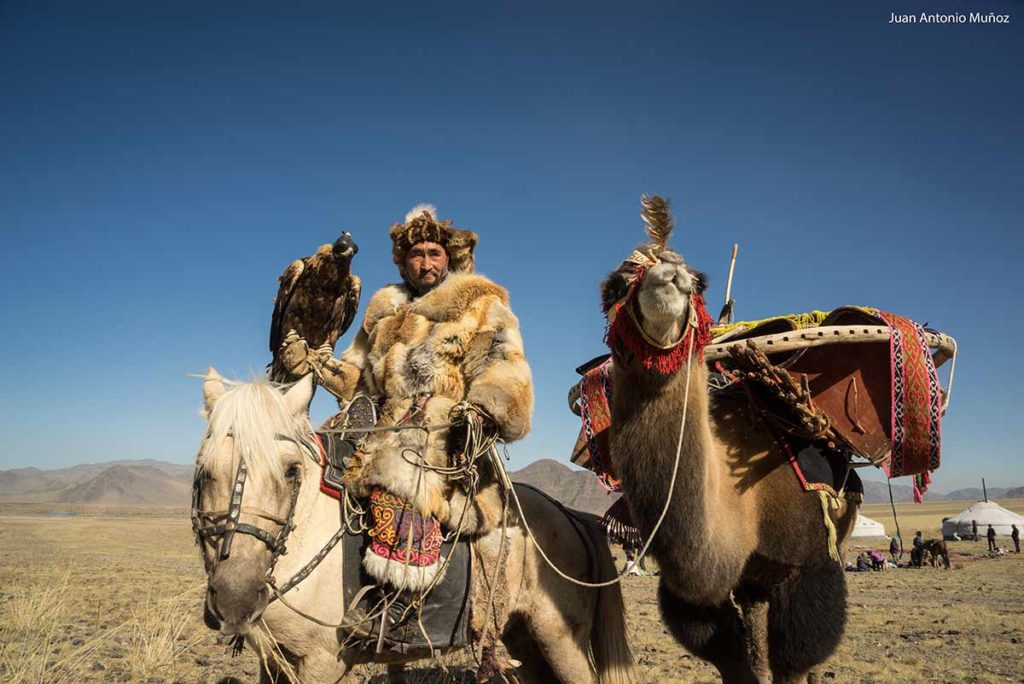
(460, 342)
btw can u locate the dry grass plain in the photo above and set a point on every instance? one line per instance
(115, 595)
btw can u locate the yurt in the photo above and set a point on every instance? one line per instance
(866, 527)
(986, 513)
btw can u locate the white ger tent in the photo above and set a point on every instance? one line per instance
(986, 513)
(866, 527)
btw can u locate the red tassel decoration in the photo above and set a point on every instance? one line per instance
(624, 333)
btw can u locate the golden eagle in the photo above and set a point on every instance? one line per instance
(315, 305)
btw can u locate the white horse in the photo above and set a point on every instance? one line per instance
(246, 513)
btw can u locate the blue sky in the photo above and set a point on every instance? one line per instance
(163, 162)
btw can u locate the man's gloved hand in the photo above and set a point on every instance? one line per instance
(477, 415)
(294, 357)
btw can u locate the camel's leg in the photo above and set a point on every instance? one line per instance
(755, 632)
(806, 620)
(713, 633)
(521, 646)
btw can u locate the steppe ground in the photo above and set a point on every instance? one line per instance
(88, 594)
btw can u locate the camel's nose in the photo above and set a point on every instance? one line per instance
(683, 280)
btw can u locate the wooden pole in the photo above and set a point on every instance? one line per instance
(984, 490)
(732, 267)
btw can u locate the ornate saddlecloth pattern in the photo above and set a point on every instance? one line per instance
(916, 402)
(592, 449)
(405, 546)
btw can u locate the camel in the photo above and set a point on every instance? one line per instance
(747, 581)
(244, 518)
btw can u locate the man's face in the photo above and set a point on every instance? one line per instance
(426, 265)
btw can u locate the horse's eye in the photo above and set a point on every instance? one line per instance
(293, 471)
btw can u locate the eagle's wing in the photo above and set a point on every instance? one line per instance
(289, 279)
(351, 303)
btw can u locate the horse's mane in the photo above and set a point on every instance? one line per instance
(255, 416)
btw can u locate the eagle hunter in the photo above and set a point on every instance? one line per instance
(316, 303)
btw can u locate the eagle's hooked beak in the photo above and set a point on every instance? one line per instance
(345, 246)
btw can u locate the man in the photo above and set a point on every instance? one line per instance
(895, 551)
(440, 347)
(974, 530)
(991, 534)
(1015, 536)
(917, 553)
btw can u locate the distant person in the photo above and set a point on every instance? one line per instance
(1015, 536)
(991, 534)
(630, 561)
(974, 530)
(877, 560)
(918, 553)
(863, 563)
(895, 550)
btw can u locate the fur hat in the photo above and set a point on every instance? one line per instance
(421, 225)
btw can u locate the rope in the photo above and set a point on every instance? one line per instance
(829, 502)
(949, 382)
(394, 428)
(664, 511)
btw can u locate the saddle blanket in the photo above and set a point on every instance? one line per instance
(883, 399)
(442, 621)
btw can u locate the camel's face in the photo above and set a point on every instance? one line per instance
(665, 290)
(663, 298)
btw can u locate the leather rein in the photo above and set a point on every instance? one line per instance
(218, 528)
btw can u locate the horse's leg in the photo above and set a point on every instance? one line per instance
(563, 643)
(269, 674)
(521, 646)
(712, 633)
(806, 619)
(324, 666)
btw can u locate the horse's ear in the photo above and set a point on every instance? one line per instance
(213, 388)
(299, 395)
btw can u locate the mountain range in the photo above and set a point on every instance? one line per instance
(160, 483)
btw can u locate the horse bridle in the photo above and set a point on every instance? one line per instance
(218, 528)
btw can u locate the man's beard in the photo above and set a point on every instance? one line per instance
(423, 288)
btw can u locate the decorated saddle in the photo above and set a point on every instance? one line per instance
(388, 552)
(870, 376)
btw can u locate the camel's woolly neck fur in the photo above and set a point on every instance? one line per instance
(701, 540)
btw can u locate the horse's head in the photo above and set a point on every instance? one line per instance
(252, 461)
(655, 288)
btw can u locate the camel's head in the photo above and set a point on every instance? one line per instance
(654, 288)
(662, 297)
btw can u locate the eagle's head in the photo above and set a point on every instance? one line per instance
(345, 247)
